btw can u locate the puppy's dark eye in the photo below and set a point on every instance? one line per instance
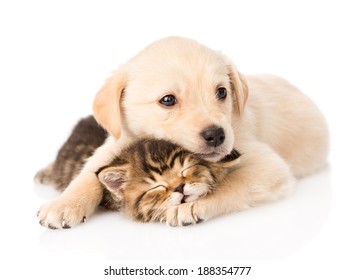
(168, 100)
(221, 93)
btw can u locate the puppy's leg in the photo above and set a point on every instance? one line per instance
(82, 196)
(262, 176)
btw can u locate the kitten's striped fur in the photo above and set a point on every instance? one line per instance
(84, 139)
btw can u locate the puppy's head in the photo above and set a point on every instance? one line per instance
(175, 89)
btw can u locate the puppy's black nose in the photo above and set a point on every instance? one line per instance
(179, 188)
(214, 136)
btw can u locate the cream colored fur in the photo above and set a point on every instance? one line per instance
(280, 132)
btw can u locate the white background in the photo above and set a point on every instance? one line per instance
(54, 56)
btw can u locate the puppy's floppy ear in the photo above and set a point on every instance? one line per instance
(106, 106)
(240, 88)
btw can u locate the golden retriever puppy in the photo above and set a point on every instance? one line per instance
(178, 89)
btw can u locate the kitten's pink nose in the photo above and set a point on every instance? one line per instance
(179, 188)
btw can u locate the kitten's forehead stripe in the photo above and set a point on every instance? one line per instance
(150, 168)
(159, 152)
(178, 154)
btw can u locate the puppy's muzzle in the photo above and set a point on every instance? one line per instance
(214, 136)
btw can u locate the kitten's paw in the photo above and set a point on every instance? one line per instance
(62, 213)
(185, 214)
(44, 176)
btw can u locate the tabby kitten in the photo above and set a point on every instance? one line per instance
(151, 175)
(145, 179)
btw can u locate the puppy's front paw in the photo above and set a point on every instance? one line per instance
(62, 213)
(185, 214)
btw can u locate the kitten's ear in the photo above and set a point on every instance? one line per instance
(112, 178)
(231, 160)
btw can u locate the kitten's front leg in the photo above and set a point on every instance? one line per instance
(262, 176)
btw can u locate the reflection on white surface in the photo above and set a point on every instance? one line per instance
(269, 231)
